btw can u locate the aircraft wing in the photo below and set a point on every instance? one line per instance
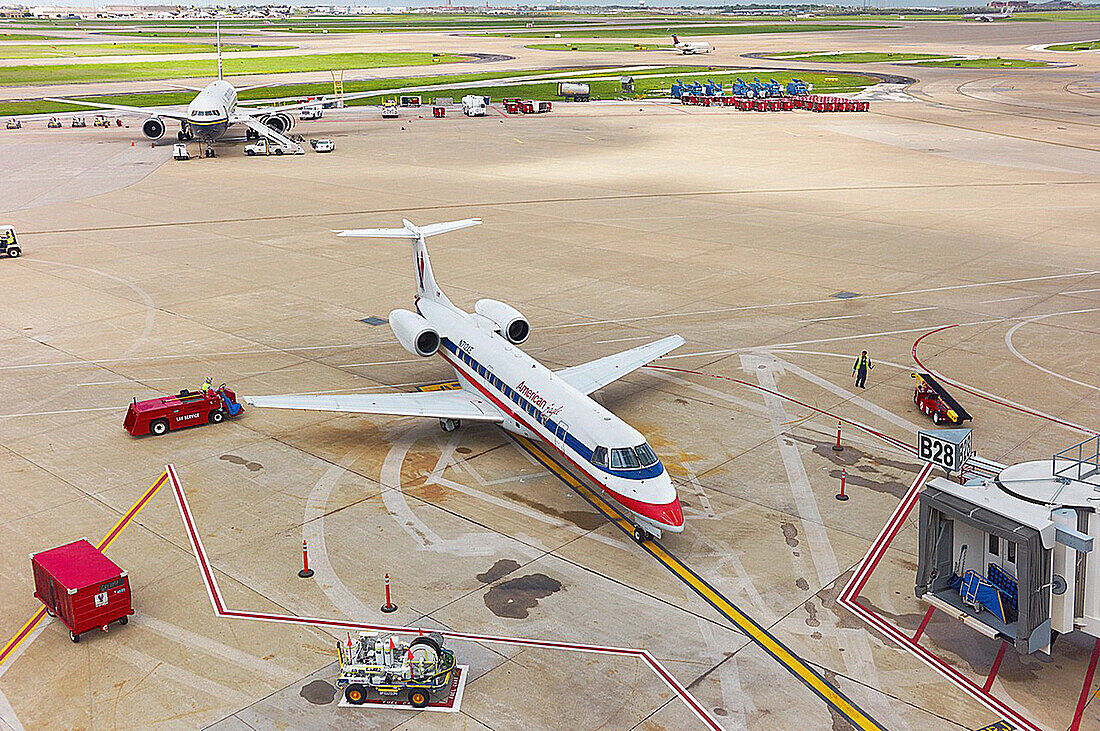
(433, 404)
(594, 375)
(146, 111)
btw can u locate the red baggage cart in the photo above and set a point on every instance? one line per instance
(512, 106)
(545, 107)
(439, 111)
(81, 587)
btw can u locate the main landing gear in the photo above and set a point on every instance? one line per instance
(185, 134)
(449, 425)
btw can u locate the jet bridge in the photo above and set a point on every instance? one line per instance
(1013, 556)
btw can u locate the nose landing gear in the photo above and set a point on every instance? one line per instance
(641, 535)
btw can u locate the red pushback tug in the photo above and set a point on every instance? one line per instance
(187, 408)
(934, 400)
(82, 587)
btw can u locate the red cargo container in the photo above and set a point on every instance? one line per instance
(82, 587)
(439, 111)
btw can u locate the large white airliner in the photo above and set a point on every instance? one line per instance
(212, 112)
(503, 385)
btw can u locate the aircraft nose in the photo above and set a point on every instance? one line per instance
(672, 514)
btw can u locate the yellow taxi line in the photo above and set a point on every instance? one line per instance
(764, 639)
(31, 623)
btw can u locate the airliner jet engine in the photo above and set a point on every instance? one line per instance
(510, 323)
(414, 333)
(153, 128)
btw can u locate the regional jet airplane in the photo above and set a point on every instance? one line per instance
(687, 47)
(212, 112)
(503, 385)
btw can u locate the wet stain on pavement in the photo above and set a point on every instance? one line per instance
(802, 584)
(319, 693)
(464, 450)
(514, 599)
(790, 534)
(851, 455)
(500, 569)
(811, 612)
(252, 466)
(581, 518)
(890, 487)
(960, 646)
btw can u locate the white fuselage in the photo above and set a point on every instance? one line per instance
(209, 112)
(690, 48)
(539, 404)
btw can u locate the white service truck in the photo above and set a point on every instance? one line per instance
(311, 112)
(474, 106)
(264, 146)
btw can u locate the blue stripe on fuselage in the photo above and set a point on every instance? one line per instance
(524, 405)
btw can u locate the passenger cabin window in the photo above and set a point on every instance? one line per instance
(1011, 551)
(994, 547)
(599, 456)
(646, 455)
(624, 459)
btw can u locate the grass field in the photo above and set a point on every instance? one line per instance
(123, 49)
(1079, 46)
(858, 57)
(693, 31)
(80, 73)
(648, 81)
(986, 63)
(599, 47)
(26, 37)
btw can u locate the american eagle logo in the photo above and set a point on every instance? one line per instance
(420, 268)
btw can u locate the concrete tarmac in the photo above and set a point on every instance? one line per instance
(779, 245)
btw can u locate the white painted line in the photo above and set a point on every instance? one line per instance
(822, 301)
(1012, 349)
(1010, 299)
(63, 411)
(377, 363)
(254, 351)
(1081, 291)
(622, 340)
(914, 309)
(838, 317)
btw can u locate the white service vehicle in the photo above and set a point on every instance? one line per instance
(473, 106)
(312, 112)
(179, 151)
(322, 145)
(501, 384)
(265, 146)
(389, 109)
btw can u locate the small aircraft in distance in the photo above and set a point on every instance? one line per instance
(687, 47)
(501, 384)
(990, 17)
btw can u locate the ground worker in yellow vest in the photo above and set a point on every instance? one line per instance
(859, 370)
(208, 384)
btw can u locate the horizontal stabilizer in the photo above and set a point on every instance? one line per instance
(411, 231)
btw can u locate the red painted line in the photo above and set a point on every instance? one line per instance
(993, 399)
(221, 611)
(873, 432)
(996, 666)
(1086, 687)
(855, 585)
(924, 623)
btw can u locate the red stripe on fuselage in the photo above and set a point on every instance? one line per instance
(659, 513)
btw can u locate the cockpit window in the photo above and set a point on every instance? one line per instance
(624, 459)
(599, 456)
(646, 455)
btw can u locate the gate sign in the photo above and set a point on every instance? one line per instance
(948, 448)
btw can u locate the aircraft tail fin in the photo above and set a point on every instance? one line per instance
(218, 27)
(426, 286)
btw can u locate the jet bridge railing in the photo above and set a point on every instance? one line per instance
(1080, 461)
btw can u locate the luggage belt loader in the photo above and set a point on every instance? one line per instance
(934, 400)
